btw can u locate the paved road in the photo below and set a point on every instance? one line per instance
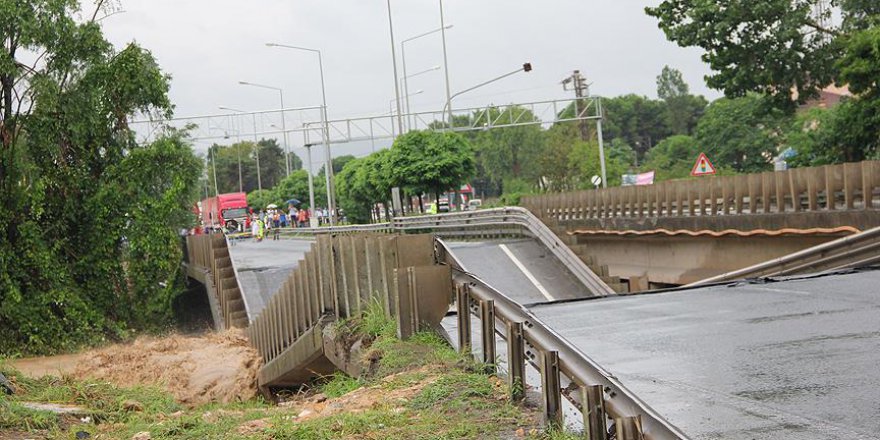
(790, 360)
(263, 267)
(540, 279)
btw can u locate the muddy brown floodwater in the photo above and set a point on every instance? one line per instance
(216, 367)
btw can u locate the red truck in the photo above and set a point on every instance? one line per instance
(226, 211)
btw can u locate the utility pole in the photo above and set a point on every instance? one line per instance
(578, 83)
(581, 88)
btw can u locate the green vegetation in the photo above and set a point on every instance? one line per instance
(419, 162)
(423, 389)
(89, 218)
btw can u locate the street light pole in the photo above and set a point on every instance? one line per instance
(445, 63)
(313, 221)
(237, 150)
(403, 59)
(328, 160)
(283, 123)
(527, 67)
(406, 93)
(394, 65)
(256, 144)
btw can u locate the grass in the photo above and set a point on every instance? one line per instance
(447, 396)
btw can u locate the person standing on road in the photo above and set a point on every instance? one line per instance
(255, 228)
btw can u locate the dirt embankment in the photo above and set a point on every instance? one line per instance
(218, 367)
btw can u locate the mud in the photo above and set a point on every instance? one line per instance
(217, 367)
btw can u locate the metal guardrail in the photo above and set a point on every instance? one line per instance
(599, 395)
(852, 251)
(484, 218)
(846, 186)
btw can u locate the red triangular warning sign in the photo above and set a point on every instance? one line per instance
(703, 166)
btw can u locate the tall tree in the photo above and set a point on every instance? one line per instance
(670, 84)
(773, 47)
(683, 110)
(741, 133)
(510, 152)
(431, 162)
(639, 121)
(88, 217)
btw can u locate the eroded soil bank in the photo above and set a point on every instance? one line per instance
(215, 367)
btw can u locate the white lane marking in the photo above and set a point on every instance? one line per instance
(526, 272)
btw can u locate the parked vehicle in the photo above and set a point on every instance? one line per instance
(474, 204)
(226, 211)
(443, 204)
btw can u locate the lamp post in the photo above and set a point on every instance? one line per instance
(237, 150)
(391, 109)
(313, 221)
(394, 66)
(527, 67)
(256, 143)
(407, 94)
(403, 56)
(445, 63)
(328, 160)
(283, 124)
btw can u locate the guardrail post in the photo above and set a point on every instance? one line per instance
(463, 299)
(516, 361)
(487, 320)
(593, 409)
(870, 179)
(629, 428)
(551, 389)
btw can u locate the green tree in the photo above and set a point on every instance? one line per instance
(672, 158)
(431, 162)
(683, 110)
(639, 121)
(88, 217)
(296, 186)
(772, 47)
(740, 134)
(510, 152)
(670, 84)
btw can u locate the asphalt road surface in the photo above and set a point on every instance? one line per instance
(798, 359)
(521, 269)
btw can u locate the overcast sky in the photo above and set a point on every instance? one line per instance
(208, 46)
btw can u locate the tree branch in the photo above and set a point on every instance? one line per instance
(812, 24)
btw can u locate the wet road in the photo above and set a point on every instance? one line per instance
(521, 269)
(791, 360)
(263, 267)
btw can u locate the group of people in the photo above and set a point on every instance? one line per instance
(266, 221)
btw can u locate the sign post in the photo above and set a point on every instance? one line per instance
(703, 167)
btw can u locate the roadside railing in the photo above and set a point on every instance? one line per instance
(846, 186)
(211, 252)
(601, 399)
(488, 222)
(339, 278)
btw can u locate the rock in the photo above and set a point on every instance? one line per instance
(320, 398)
(81, 435)
(132, 406)
(305, 413)
(6, 385)
(143, 435)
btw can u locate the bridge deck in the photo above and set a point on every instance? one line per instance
(542, 278)
(263, 267)
(788, 360)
